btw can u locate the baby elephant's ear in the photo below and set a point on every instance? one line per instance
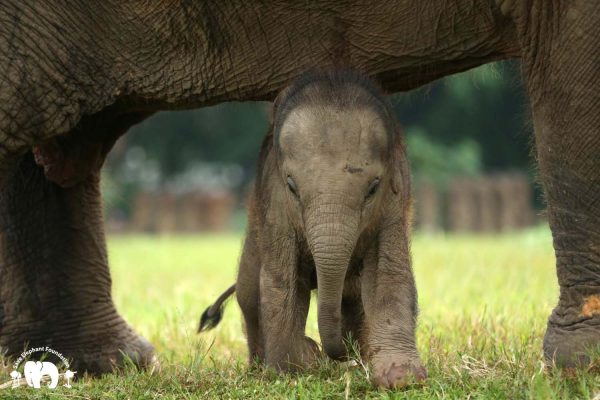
(400, 167)
(277, 102)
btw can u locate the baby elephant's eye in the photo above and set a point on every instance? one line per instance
(292, 186)
(373, 188)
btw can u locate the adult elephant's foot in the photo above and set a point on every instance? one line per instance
(397, 371)
(96, 342)
(573, 335)
(119, 346)
(55, 285)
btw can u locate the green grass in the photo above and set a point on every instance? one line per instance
(484, 304)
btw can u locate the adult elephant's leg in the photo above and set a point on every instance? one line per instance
(55, 287)
(563, 86)
(573, 194)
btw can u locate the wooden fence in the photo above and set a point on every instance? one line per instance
(165, 212)
(492, 203)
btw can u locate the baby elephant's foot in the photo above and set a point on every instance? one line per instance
(303, 356)
(311, 351)
(307, 355)
(396, 372)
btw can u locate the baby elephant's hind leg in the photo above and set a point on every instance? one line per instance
(248, 296)
(353, 313)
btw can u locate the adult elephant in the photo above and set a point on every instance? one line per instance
(76, 75)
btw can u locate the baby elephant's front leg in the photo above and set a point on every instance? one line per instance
(284, 307)
(390, 302)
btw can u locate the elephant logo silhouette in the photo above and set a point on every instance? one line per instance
(37, 373)
(34, 370)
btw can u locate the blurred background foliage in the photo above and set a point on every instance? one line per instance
(468, 124)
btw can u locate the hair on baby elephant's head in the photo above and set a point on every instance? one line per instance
(338, 143)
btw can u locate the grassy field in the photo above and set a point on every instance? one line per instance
(484, 303)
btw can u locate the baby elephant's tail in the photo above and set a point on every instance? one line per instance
(213, 314)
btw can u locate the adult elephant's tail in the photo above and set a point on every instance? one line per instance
(213, 314)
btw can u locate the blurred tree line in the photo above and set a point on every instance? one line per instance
(463, 125)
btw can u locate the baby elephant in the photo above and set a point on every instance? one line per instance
(330, 210)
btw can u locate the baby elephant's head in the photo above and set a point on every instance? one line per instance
(340, 157)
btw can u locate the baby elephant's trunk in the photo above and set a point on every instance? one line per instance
(331, 243)
(213, 314)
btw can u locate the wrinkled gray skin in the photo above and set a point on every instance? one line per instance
(74, 75)
(330, 210)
